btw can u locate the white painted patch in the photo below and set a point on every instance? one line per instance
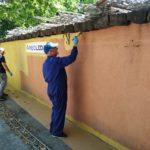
(35, 47)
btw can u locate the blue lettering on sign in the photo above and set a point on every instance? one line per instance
(35, 47)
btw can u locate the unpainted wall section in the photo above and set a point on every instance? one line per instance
(109, 83)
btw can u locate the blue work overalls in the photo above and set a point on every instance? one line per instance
(55, 75)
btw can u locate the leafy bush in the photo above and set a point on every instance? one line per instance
(22, 12)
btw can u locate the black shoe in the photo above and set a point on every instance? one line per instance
(61, 135)
(2, 98)
(5, 94)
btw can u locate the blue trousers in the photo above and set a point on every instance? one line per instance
(3, 82)
(59, 102)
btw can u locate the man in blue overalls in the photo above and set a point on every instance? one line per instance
(55, 75)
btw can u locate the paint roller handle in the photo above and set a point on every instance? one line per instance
(10, 73)
(79, 34)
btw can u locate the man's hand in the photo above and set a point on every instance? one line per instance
(75, 40)
(11, 74)
(6, 68)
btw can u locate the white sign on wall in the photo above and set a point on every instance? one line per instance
(35, 47)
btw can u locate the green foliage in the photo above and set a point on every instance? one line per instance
(88, 1)
(4, 26)
(22, 12)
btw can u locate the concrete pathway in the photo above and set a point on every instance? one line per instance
(8, 139)
(78, 139)
(28, 128)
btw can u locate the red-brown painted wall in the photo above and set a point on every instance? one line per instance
(109, 84)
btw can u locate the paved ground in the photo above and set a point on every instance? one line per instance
(20, 131)
(8, 139)
(78, 139)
